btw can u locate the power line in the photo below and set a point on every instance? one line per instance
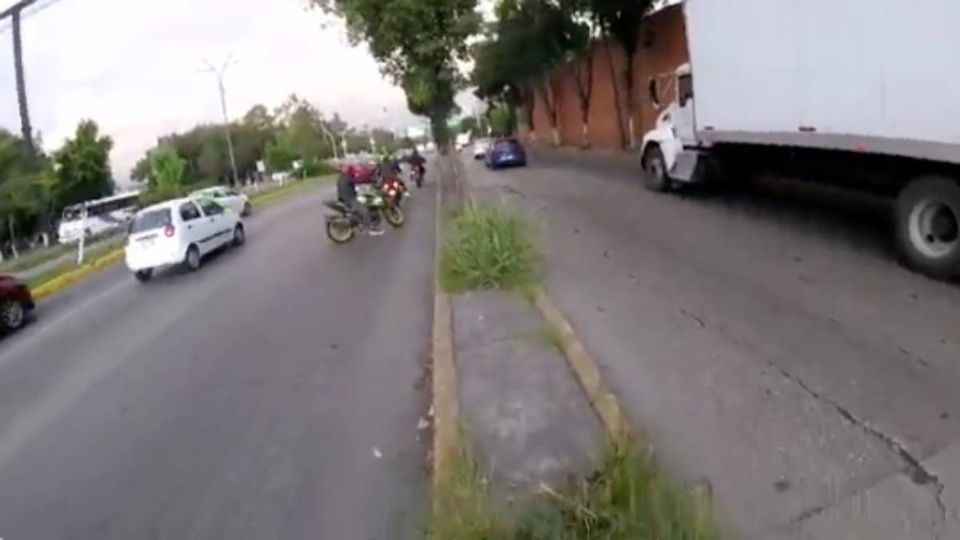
(27, 8)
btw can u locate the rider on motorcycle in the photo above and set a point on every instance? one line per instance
(417, 162)
(350, 176)
(388, 167)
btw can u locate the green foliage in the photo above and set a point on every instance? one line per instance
(469, 124)
(32, 193)
(620, 19)
(488, 248)
(503, 120)
(279, 157)
(465, 510)
(627, 498)
(167, 170)
(417, 44)
(83, 167)
(293, 131)
(529, 39)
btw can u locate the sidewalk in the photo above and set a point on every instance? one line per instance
(773, 351)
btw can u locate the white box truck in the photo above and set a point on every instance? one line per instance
(865, 92)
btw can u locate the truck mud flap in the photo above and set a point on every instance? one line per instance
(685, 167)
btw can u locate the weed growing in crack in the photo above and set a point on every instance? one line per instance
(487, 247)
(627, 498)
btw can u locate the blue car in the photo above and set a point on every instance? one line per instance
(506, 153)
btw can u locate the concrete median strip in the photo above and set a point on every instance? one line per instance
(521, 409)
(604, 402)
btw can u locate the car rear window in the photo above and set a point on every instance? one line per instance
(507, 145)
(150, 220)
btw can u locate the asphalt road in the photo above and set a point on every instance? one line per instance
(274, 394)
(767, 340)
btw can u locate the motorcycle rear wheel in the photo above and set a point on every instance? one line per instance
(339, 230)
(394, 216)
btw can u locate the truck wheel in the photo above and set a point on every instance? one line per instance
(928, 226)
(655, 167)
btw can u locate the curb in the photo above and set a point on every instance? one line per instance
(604, 402)
(444, 376)
(67, 279)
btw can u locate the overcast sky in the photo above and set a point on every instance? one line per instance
(132, 65)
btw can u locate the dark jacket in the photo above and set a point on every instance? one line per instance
(346, 189)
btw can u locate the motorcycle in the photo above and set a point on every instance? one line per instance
(394, 190)
(344, 224)
(418, 176)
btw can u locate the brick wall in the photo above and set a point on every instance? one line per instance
(661, 50)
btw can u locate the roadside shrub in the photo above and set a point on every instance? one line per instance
(627, 498)
(487, 248)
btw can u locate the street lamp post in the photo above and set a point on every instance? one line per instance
(219, 74)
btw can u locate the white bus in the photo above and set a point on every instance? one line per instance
(102, 215)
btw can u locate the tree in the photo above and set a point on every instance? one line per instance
(469, 124)
(580, 67)
(530, 40)
(260, 119)
(167, 172)
(82, 167)
(502, 120)
(278, 157)
(22, 198)
(417, 43)
(620, 19)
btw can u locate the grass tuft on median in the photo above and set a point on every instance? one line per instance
(627, 498)
(487, 247)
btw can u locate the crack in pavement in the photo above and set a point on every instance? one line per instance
(914, 468)
(694, 317)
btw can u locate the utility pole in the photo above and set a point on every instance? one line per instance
(219, 74)
(14, 12)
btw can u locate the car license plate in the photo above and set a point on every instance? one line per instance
(146, 243)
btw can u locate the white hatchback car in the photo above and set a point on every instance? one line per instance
(227, 196)
(180, 231)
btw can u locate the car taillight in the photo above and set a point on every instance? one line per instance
(169, 230)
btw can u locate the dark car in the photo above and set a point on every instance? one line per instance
(16, 303)
(506, 153)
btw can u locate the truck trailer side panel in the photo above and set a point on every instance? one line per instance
(859, 75)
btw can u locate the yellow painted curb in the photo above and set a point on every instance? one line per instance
(604, 402)
(446, 407)
(67, 279)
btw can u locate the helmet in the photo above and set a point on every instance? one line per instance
(357, 171)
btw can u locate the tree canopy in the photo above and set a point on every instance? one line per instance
(418, 44)
(83, 166)
(526, 43)
(294, 131)
(531, 39)
(35, 188)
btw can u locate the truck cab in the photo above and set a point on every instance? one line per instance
(670, 151)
